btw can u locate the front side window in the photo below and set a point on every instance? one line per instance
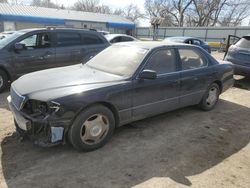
(68, 39)
(191, 59)
(41, 40)
(162, 61)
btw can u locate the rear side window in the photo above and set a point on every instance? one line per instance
(191, 59)
(89, 39)
(68, 39)
(125, 39)
(162, 61)
(243, 43)
(116, 39)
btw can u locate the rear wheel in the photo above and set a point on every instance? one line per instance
(92, 128)
(210, 97)
(3, 80)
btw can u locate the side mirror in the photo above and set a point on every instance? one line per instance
(19, 46)
(148, 74)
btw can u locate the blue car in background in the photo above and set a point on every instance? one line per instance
(239, 55)
(190, 40)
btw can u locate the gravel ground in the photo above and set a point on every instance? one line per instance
(183, 148)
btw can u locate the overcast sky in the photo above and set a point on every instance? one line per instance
(114, 4)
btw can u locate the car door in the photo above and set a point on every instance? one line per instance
(38, 53)
(69, 48)
(161, 94)
(195, 75)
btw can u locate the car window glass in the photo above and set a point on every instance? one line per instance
(68, 39)
(243, 43)
(163, 61)
(191, 59)
(41, 40)
(125, 39)
(188, 42)
(116, 39)
(92, 39)
(196, 42)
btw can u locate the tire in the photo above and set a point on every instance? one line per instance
(209, 102)
(3, 80)
(92, 128)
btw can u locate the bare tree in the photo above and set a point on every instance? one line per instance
(157, 9)
(207, 12)
(177, 9)
(45, 3)
(91, 6)
(131, 12)
(236, 13)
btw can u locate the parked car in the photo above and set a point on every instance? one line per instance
(115, 38)
(239, 55)
(103, 32)
(85, 103)
(31, 50)
(190, 40)
(5, 34)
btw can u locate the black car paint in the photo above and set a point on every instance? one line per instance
(130, 99)
(17, 63)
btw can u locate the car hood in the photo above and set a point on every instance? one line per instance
(59, 81)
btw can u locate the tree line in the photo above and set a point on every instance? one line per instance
(176, 13)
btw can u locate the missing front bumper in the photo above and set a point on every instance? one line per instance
(43, 132)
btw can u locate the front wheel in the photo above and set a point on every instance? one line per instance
(92, 128)
(210, 98)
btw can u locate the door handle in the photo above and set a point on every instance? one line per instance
(45, 56)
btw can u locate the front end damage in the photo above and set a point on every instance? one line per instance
(43, 122)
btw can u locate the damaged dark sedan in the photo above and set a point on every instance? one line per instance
(83, 104)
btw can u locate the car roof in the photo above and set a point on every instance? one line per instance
(152, 44)
(55, 29)
(183, 37)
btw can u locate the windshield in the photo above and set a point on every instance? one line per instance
(5, 41)
(118, 59)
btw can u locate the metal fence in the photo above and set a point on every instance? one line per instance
(204, 33)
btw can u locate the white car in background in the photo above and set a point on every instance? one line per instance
(115, 38)
(5, 34)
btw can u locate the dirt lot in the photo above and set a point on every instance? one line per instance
(187, 147)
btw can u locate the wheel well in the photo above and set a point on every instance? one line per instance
(113, 110)
(218, 82)
(7, 73)
(110, 107)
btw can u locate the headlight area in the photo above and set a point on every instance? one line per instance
(46, 126)
(41, 109)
